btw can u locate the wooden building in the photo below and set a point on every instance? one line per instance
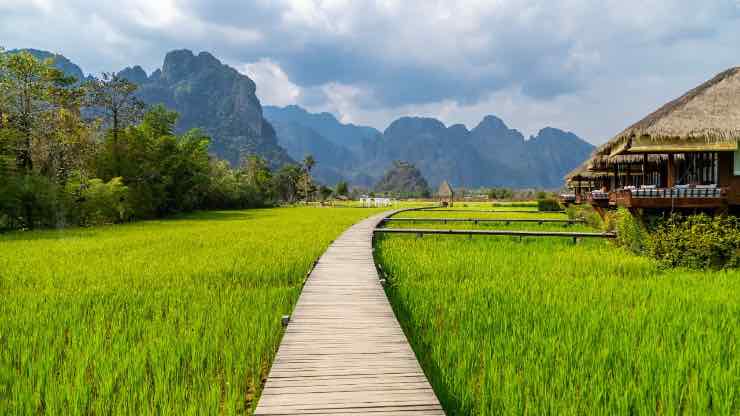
(446, 194)
(683, 156)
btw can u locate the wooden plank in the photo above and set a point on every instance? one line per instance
(343, 351)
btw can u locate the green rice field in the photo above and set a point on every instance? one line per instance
(545, 326)
(177, 317)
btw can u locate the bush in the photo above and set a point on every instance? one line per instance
(101, 202)
(631, 234)
(30, 201)
(586, 213)
(548, 204)
(697, 241)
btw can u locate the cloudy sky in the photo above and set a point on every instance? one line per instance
(588, 66)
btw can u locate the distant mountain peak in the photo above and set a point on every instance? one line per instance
(491, 122)
(458, 129)
(135, 74)
(415, 124)
(182, 64)
(554, 134)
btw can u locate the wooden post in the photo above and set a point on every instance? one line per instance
(671, 171)
(644, 168)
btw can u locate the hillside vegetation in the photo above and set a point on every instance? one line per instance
(404, 180)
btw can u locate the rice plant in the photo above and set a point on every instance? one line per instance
(177, 316)
(545, 326)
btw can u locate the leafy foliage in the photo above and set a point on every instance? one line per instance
(403, 179)
(342, 188)
(586, 213)
(549, 204)
(58, 167)
(500, 193)
(697, 241)
(631, 233)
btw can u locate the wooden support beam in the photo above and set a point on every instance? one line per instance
(644, 168)
(671, 177)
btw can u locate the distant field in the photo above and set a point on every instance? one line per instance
(163, 317)
(544, 326)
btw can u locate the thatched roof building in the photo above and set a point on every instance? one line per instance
(705, 119)
(445, 190)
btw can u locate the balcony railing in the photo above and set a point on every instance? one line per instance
(676, 197)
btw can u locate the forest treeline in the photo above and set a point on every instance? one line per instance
(75, 153)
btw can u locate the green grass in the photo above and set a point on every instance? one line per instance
(544, 326)
(164, 317)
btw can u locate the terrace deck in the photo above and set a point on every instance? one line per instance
(343, 351)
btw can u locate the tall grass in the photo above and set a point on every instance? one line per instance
(163, 317)
(544, 326)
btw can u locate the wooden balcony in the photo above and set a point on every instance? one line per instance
(568, 199)
(598, 199)
(670, 198)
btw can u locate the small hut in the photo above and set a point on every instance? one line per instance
(446, 194)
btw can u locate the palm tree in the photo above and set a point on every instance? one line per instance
(308, 163)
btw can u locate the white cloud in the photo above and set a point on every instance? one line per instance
(273, 85)
(588, 66)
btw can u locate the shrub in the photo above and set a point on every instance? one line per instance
(102, 202)
(31, 201)
(631, 234)
(548, 204)
(697, 241)
(586, 213)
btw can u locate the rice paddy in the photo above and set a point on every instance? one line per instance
(545, 326)
(164, 317)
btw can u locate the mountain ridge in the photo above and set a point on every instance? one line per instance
(490, 154)
(223, 103)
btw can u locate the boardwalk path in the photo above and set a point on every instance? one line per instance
(343, 351)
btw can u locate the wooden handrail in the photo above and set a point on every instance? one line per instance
(495, 211)
(422, 231)
(477, 220)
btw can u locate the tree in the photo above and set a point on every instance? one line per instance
(285, 182)
(308, 163)
(259, 177)
(342, 188)
(32, 92)
(114, 98)
(325, 192)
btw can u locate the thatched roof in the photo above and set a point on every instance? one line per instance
(599, 163)
(578, 172)
(445, 190)
(706, 118)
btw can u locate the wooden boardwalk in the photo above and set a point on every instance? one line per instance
(343, 351)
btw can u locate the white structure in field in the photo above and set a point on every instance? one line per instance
(375, 202)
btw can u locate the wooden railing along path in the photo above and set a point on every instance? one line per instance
(422, 231)
(343, 351)
(484, 220)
